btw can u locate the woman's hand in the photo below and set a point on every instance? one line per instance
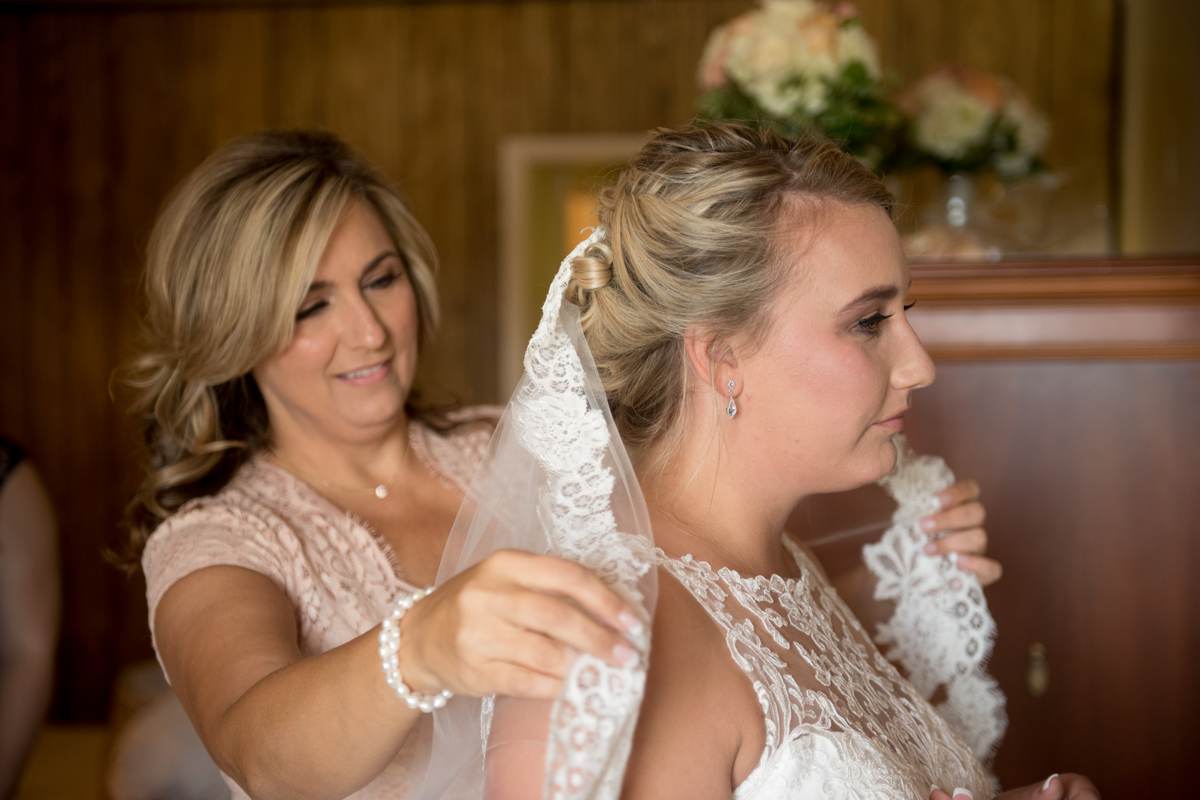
(512, 625)
(1057, 787)
(957, 530)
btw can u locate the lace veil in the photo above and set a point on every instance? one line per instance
(557, 480)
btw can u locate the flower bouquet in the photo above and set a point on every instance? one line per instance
(967, 121)
(982, 135)
(797, 65)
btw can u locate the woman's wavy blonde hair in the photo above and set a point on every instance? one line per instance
(229, 262)
(693, 233)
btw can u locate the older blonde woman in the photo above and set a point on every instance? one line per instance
(295, 491)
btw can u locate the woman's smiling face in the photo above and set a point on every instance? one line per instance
(348, 369)
(823, 390)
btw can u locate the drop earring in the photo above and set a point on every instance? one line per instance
(731, 406)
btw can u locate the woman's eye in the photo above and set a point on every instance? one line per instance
(310, 310)
(383, 281)
(870, 325)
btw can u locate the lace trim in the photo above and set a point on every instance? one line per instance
(941, 631)
(593, 718)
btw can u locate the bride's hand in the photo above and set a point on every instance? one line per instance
(1067, 786)
(958, 529)
(512, 625)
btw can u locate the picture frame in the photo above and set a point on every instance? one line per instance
(547, 201)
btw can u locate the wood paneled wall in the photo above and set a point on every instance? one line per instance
(1071, 393)
(1160, 163)
(106, 106)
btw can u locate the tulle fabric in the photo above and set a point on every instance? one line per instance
(557, 480)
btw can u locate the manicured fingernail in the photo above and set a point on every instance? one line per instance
(632, 625)
(928, 524)
(1046, 785)
(931, 548)
(625, 655)
(962, 793)
(953, 559)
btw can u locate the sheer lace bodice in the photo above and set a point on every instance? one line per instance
(840, 720)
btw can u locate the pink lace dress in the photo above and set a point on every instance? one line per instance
(339, 574)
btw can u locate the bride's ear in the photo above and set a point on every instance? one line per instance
(712, 361)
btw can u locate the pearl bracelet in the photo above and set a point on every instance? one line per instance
(389, 648)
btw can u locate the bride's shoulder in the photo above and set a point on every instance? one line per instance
(700, 723)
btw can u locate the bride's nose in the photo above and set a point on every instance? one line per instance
(913, 367)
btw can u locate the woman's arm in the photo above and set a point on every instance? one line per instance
(278, 724)
(29, 603)
(283, 725)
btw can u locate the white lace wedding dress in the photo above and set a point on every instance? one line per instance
(841, 722)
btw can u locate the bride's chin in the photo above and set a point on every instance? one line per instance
(884, 462)
(864, 476)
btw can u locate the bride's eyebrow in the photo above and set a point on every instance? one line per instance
(873, 295)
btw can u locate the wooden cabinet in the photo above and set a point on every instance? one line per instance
(1071, 391)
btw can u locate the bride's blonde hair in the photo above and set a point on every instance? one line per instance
(229, 261)
(692, 239)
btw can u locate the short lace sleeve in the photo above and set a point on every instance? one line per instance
(209, 533)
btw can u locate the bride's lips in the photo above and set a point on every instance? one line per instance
(895, 424)
(364, 376)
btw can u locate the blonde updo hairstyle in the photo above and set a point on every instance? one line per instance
(229, 262)
(692, 241)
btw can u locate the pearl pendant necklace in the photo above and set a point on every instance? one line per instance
(381, 490)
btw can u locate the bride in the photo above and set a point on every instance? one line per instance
(731, 340)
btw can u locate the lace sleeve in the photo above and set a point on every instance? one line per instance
(941, 631)
(208, 534)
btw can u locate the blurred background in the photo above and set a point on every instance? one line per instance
(1062, 304)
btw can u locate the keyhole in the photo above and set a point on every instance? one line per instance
(1037, 671)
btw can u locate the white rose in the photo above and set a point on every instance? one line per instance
(950, 121)
(762, 51)
(1033, 131)
(813, 97)
(761, 61)
(855, 45)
